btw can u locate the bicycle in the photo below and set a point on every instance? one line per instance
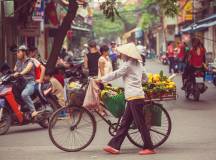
(67, 133)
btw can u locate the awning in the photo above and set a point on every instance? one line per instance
(80, 28)
(201, 25)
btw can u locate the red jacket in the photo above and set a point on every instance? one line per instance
(195, 59)
(181, 51)
(170, 51)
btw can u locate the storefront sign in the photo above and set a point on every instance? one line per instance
(31, 30)
(38, 14)
(186, 11)
(213, 3)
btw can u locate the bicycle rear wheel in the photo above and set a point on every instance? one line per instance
(72, 128)
(159, 132)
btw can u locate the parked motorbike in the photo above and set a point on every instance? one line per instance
(176, 65)
(212, 67)
(13, 110)
(164, 60)
(196, 86)
(214, 75)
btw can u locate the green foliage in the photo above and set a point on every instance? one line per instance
(168, 7)
(146, 20)
(151, 11)
(156, 9)
(103, 27)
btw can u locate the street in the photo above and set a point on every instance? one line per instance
(193, 135)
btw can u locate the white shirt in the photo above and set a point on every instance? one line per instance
(132, 73)
(107, 66)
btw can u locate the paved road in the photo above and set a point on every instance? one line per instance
(193, 135)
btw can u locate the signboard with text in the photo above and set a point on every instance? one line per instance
(31, 30)
(186, 8)
(38, 14)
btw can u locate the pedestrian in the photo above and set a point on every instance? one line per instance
(64, 59)
(54, 87)
(132, 73)
(181, 55)
(91, 59)
(170, 53)
(113, 55)
(104, 63)
(142, 51)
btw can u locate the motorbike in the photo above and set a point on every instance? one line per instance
(195, 85)
(164, 59)
(212, 67)
(13, 110)
(214, 75)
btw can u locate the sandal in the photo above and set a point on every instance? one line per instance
(146, 152)
(111, 150)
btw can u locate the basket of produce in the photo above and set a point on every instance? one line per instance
(75, 93)
(159, 87)
(114, 100)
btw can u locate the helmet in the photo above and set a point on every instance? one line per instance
(23, 48)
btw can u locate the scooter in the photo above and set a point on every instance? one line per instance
(213, 71)
(196, 86)
(164, 59)
(13, 110)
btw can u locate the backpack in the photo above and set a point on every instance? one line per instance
(37, 66)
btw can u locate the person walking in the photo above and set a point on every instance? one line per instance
(113, 55)
(170, 53)
(91, 59)
(132, 73)
(142, 51)
(181, 55)
(104, 63)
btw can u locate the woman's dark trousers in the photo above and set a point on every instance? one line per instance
(133, 112)
(171, 64)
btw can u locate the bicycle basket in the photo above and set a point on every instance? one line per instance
(76, 96)
(114, 103)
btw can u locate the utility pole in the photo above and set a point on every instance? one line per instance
(2, 37)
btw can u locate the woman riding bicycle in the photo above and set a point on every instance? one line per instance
(132, 73)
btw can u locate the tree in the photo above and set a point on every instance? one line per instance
(104, 27)
(61, 33)
(162, 8)
(110, 10)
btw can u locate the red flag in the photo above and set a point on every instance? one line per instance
(51, 13)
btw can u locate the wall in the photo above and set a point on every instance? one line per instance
(208, 40)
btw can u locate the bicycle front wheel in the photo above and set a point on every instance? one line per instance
(159, 125)
(72, 128)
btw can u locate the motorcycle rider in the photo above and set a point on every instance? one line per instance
(196, 60)
(25, 67)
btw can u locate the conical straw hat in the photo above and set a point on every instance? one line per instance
(130, 50)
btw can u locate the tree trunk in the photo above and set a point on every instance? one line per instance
(164, 30)
(126, 24)
(61, 33)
